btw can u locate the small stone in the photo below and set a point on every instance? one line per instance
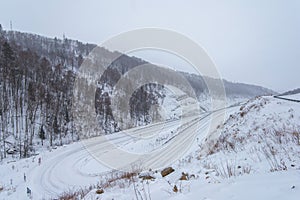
(147, 177)
(100, 191)
(175, 189)
(167, 171)
(184, 177)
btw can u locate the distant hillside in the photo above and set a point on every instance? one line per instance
(37, 80)
(295, 91)
(69, 49)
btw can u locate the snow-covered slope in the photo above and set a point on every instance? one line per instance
(39, 89)
(255, 154)
(294, 96)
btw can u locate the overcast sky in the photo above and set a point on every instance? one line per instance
(255, 41)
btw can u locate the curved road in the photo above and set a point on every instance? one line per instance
(74, 166)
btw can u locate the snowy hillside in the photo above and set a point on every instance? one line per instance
(253, 155)
(38, 77)
(37, 86)
(294, 96)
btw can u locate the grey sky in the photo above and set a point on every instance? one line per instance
(255, 41)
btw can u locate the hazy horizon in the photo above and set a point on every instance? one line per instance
(251, 42)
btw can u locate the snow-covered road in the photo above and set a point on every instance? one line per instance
(80, 164)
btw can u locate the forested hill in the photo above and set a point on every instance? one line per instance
(295, 91)
(36, 87)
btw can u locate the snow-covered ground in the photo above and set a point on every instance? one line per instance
(294, 96)
(253, 155)
(73, 166)
(259, 186)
